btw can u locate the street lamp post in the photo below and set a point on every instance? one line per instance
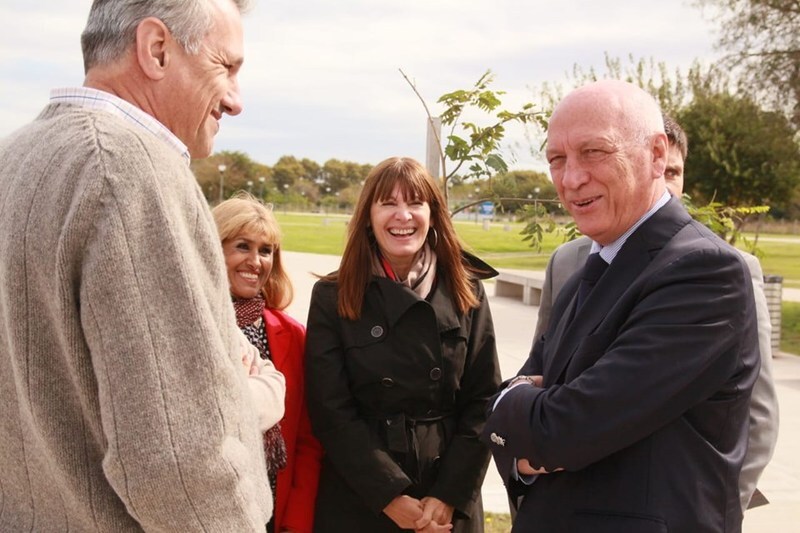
(250, 186)
(449, 193)
(221, 169)
(325, 203)
(261, 181)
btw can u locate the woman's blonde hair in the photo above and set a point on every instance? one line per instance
(244, 213)
(355, 270)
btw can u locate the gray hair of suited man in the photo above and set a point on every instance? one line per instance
(111, 27)
(675, 135)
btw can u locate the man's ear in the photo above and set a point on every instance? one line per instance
(152, 38)
(660, 151)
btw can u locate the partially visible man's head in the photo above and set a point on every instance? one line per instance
(111, 28)
(607, 152)
(177, 60)
(676, 156)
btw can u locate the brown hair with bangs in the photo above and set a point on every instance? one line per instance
(355, 270)
(243, 212)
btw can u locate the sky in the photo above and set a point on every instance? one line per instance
(322, 78)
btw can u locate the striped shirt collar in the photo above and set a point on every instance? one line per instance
(608, 253)
(95, 99)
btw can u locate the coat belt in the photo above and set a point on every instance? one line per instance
(396, 427)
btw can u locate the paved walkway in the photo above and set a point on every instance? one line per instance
(514, 323)
(790, 295)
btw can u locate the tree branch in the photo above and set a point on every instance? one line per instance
(430, 123)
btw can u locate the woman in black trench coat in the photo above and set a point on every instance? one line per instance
(401, 362)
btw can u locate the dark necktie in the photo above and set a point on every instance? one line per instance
(594, 268)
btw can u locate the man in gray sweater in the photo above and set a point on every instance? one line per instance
(125, 401)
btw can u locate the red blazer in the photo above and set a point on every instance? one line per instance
(297, 483)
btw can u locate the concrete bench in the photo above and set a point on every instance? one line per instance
(520, 284)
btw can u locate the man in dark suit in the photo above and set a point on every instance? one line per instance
(631, 412)
(763, 429)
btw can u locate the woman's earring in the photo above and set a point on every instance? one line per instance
(435, 237)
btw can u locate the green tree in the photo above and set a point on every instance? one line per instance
(468, 142)
(239, 170)
(514, 189)
(534, 184)
(286, 171)
(308, 191)
(739, 154)
(338, 175)
(311, 169)
(762, 41)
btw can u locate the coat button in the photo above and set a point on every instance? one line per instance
(387, 382)
(376, 331)
(436, 374)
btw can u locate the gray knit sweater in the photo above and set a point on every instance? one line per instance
(124, 406)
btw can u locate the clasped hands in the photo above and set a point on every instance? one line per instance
(428, 515)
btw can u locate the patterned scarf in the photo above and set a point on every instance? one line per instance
(421, 276)
(250, 319)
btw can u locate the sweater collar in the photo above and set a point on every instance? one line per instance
(95, 99)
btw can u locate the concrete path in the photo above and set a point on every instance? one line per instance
(790, 295)
(514, 324)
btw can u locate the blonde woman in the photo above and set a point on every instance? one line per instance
(261, 289)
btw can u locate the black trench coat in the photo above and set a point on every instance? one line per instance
(398, 399)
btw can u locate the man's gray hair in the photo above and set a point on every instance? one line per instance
(111, 27)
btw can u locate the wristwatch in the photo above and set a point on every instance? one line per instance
(520, 379)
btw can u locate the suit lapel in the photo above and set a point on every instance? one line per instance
(559, 349)
(634, 256)
(581, 253)
(568, 260)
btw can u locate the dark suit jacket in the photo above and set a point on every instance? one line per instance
(565, 261)
(646, 392)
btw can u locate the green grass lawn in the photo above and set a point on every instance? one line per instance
(313, 233)
(497, 522)
(781, 258)
(790, 327)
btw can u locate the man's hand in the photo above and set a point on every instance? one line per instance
(404, 511)
(524, 468)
